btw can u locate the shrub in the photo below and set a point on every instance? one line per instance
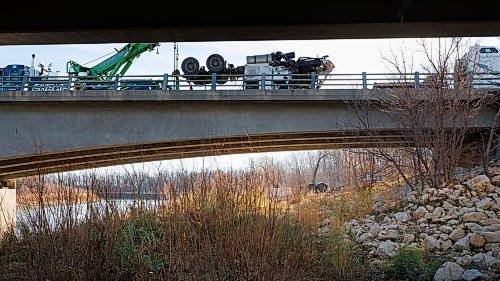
(408, 264)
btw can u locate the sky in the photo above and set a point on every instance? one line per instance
(348, 56)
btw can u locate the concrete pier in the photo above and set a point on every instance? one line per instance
(7, 205)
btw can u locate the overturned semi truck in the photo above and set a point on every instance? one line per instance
(280, 70)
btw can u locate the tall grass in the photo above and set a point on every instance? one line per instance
(204, 225)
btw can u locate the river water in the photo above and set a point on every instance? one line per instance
(57, 215)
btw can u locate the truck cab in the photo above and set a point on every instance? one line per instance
(483, 64)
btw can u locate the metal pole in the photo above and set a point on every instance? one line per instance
(165, 82)
(365, 82)
(214, 81)
(313, 80)
(23, 82)
(417, 80)
(117, 79)
(69, 81)
(263, 81)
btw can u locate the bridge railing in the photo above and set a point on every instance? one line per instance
(241, 82)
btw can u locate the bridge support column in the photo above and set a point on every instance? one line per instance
(7, 205)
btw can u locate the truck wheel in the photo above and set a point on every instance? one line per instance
(215, 63)
(190, 66)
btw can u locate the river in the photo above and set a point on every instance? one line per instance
(56, 215)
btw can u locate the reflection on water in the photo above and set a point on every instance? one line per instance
(71, 214)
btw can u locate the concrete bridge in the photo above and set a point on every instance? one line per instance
(46, 132)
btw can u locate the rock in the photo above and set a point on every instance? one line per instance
(491, 246)
(401, 217)
(472, 275)
(449, 271)
(478, 183)
(483, 260)
(496, 180)
(477, 240)
(495, 266)
(408, 238)
(473, 227)
(484, 204)
(492, 237)
(438, 212)
(473, 217)
(462, 245)
(446, 244)
(447, 206)
(453, 222)
(457, 234)
(464, 260)
(429, 208)
(420, 212)
(430, 243)
(375, 229)
(446, 229)
(324, 229)
(492, 228)
(386, 249)
(487, 222)
(392, 234)
(363, 237)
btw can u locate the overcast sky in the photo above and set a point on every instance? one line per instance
(349, 56)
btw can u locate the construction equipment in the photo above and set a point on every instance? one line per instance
(283, 70)
(100, 75)
(118, 63)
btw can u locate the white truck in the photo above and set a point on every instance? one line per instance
(483, 66)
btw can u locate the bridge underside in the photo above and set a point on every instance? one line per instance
(63, 161)
(207, 22)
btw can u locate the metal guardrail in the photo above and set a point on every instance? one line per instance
(240, 82)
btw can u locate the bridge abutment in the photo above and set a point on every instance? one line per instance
(7, 205)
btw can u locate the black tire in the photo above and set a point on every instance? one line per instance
(222, 81)
(190, 66)
(215, 63)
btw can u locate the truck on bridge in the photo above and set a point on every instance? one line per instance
(479, 69)
(286, 72)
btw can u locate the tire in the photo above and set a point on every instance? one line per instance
(215, 63)
(190, 66)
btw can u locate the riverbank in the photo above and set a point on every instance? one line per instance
(34, 193)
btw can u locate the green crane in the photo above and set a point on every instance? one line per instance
(118, 63)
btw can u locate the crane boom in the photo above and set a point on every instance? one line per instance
(118, 63)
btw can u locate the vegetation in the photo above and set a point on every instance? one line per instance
(408, 264)
(206, 226)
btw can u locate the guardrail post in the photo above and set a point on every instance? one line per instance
(417, 80)
(365, 81)
(214, 81)
(23, 82)
(313, 80)
(165, 82)
(117, 79)
(263, 81)
(69, 81)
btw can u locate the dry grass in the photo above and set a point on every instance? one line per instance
(214, 226)
(32, 192)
